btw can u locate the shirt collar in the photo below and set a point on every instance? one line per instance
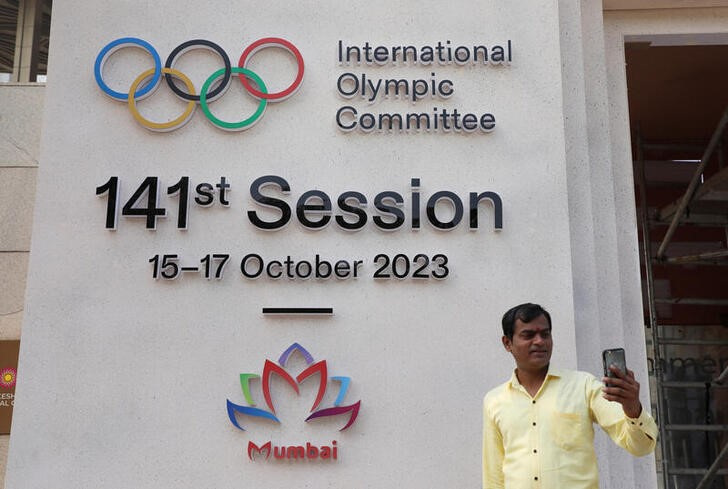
(553, 372)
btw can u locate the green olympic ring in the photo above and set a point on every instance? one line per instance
(233, 126)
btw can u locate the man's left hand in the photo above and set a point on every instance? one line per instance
(624, 389)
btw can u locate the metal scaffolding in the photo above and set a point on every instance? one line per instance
(704, 203)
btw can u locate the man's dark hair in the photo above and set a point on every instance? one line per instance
(526, 313)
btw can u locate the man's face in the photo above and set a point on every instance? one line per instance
(531, 344)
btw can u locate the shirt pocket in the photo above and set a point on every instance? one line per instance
(570, 431)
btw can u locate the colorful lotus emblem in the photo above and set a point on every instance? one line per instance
(7, 377)
(270, 368)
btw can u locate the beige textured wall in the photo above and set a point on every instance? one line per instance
(21, 108)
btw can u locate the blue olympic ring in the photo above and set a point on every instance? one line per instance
(109, 49)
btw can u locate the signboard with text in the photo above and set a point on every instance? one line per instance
(8, 379)
(274, 245)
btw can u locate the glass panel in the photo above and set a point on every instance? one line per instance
(8, 28)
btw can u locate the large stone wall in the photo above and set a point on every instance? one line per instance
(603, 230)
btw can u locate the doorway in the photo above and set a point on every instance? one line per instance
(678, 106)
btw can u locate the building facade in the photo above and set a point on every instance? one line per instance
(600, 295)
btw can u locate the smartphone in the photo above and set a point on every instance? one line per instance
(615, 357)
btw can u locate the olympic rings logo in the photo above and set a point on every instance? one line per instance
(212, 89)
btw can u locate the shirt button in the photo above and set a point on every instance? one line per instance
(534, 450)
(535, 478)
(533, 402)
(534, 423)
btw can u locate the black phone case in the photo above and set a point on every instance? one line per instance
(613, 356)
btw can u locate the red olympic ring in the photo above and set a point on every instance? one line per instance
(259, 45)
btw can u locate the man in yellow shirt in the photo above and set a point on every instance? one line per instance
(538, 427)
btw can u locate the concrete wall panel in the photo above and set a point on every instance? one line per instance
(17, 195)
(21, 109)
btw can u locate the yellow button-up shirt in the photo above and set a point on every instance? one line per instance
(547, 441)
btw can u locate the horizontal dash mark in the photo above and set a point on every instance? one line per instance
(328, 311)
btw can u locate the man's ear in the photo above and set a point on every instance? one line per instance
(506, 343)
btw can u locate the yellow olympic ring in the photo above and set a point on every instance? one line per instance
(162, 126)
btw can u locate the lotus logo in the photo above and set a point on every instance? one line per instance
(270, 368)
(8, 377)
